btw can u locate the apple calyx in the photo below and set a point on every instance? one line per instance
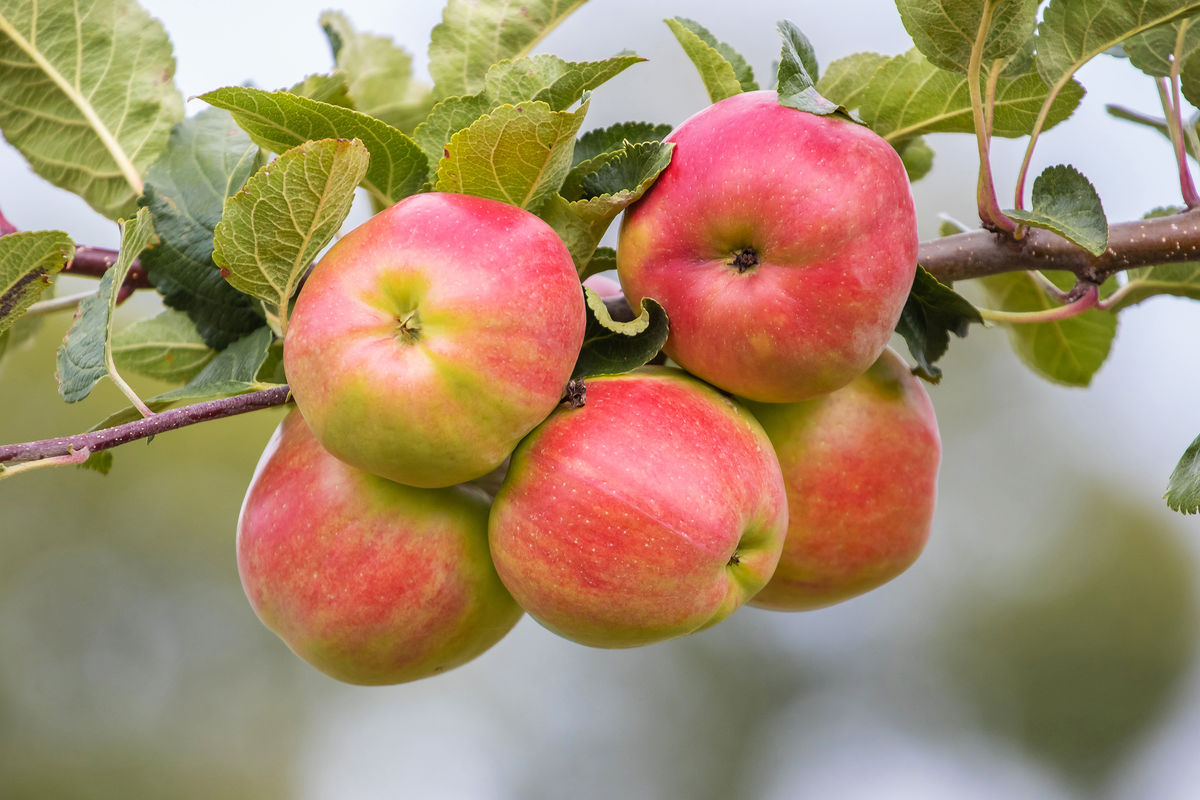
(744, 260)
(409, 327)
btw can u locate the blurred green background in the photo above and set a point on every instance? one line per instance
(1043, 647)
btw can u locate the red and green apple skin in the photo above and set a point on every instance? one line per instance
(653, 511)
(860, 466)
(369, 581)
(434, 336)
(782, 245)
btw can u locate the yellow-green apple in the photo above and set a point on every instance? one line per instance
(654, 510)
(369, 581)
(782, 245)
(434, 336)
(860, 466)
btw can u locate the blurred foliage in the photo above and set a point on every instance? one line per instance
(1084, 654)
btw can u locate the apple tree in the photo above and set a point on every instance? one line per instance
(224, 212)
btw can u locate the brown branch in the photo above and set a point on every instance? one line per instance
(1163, 240)
(95, 261)
(144, 428)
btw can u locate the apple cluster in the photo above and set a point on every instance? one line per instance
(789, 461)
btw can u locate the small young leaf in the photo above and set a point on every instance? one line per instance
(1068, 351)
(1064, 201)
(932, 312)
(1154, 50)
(614, 137)
(207, 158)
(796, 82)
(279, 121)
(167, 347)
(379, 74)
(611, 347)
(86, 354)
(599, 189)
(28, 260)
(715, 61)
(517, 154)
(945, 31)
(1072, 32)
(89, 95)
(271, 230)
(475, 34)
(1183, 488)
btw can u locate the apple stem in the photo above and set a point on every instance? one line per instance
(989, 208)
(1089, 300)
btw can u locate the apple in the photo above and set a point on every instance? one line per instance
(434, 336)
(782, 245)
(860, 466)
(369, 581)
(654, 510)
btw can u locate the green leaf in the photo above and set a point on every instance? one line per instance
(1183, 488)
(379, 74)
(917, 157)
(271, 230)
(86, 354)
(550, 79)
(331, 89)
(599, 189)
(28, 260)
(279, 121)
(796, 83)
(1189, 82)
(518, 154)
(932, 312)
(723, 71)
(167, 347)
(1064, 201)
(233, 371)
(547, 78)
(447, 118)
(908, 96)
(945, 30)
(611, 347)
(846, 79)
(207, 159)
(100, 461)
(87, 95)
(1068, 351)
(605, 140)
(1073, 32)
(474, 34)
(602, 260)
(1153, 51)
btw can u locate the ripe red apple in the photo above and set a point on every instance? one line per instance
(369, 581)
(655, 510)
(782, 245)
(860, 466)
(434, 336)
